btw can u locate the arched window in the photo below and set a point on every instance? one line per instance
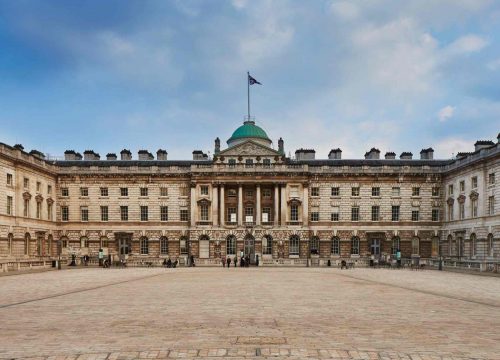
(267, 245)
(472, 245)
(84, 242)
(294, 245)
(163, 246)
(231, 245)
(183, 245)
(435, 247)
(415, 246)
(10, 239)
(396, 245)
(491, 248)
(335, 246)
(314, 245)
(144, 245)
(104, 242)
(50, 242)
(355, 245)
(27, 239)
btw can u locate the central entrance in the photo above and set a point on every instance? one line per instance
(249, 248)
(375, 247)
(124, 243)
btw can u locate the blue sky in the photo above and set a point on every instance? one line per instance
(114, 74)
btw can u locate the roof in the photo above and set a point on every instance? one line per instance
(248, 130)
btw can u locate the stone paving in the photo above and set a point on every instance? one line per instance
(256, 313)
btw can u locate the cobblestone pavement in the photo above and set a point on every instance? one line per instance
(261, 313)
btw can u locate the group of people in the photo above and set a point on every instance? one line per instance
(244, 261)
(169, 263)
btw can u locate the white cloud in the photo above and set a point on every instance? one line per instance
(448, 147)
(344, 10)
(467, 44)
(446, 113)
(239, 4)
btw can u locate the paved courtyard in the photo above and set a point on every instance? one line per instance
(264, 313)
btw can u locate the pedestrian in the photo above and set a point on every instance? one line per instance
(223, 260)
(228, 262)
(242, 262)
(247, 260)
(235, 260)
(101, 256)
(192, 261)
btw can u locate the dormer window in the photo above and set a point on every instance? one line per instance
(249, 163)
(266, 163)
(232, 162)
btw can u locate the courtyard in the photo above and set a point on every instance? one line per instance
(249, 313)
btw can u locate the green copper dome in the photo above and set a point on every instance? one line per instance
(248, 130)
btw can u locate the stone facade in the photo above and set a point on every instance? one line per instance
(250, 198)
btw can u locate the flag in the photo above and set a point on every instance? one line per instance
(252, 81)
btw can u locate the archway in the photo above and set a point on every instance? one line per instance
(249, 248)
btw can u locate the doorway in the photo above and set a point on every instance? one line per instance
(249, 248)
(375, 247)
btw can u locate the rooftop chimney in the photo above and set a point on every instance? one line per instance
(406, 155)
(305, 154)
(145, 155)
(217, 146)
(161, 154)
(91, 155)
(19, 147)
(111, 156)
(38, 154)
(482, 144)
(199, 155)
(125, 155)
(281, 146)
(335, 154)
(390, 155)
(70, 155)
(373, 154)
(427, 154)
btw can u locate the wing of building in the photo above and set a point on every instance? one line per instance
(250, 199)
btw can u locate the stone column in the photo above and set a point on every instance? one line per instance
(305, 205)
(193, 206)
(283, 205)
(240, 204)
(222, 209)
(215, 205)
(276, 204)
(259, 215)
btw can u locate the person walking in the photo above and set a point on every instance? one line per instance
(223, 260)
(228, 262)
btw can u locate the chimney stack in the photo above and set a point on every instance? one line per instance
(406, 155)
(217, 146)
(482, 144)
(281, 146)
(145, 155)
(111, 156)
(390, 155)
(161, 154)
(125, 155)
(305, 154)
(91, 155)
(427, 154)
(335, 154)
(373, 154)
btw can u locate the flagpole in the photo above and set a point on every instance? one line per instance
(248, 94)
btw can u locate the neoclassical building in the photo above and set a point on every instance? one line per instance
(250, 198)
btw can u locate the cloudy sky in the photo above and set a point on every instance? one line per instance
(114, 74)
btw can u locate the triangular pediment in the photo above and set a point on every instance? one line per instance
(249, 148)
